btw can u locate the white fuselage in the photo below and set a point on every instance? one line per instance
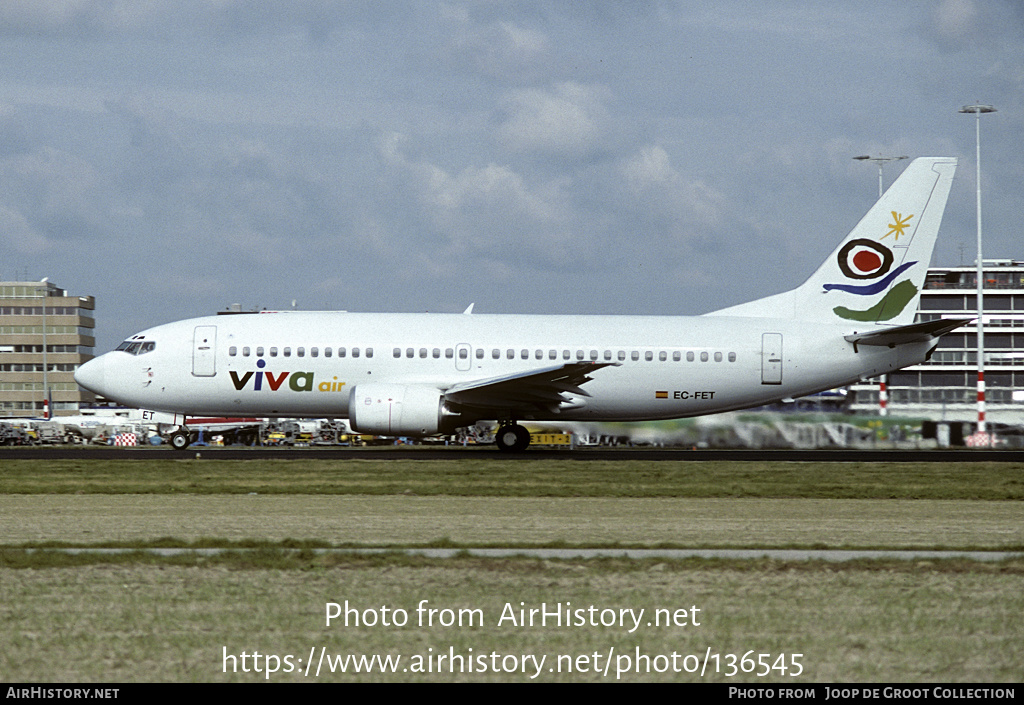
(307, 363)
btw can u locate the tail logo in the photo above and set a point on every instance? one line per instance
(891, 305)
(896, 229)
(865, 259)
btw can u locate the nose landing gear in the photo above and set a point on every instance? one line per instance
(180, 439)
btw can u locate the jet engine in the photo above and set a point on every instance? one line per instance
(400, 410)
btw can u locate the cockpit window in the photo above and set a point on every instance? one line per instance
(136, 347)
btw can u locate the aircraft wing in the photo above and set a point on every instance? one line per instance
(914, 333)
(550, 388)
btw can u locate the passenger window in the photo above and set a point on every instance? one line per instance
(718, 357)
(449, 353)
(579, 354)
(327, 352)
(662, 356)
(423, 352)
(593, 355)
(732, 357)
(300, 352)
(273, 352)
(565, 354)
(510, 354)
(397, 352)
(436, 353)
(232, 351)
(649, 355)
(479, 353)
(676, 356)
(409, 352)
(689, 355)
(259, 351)
(287, 352)
(703, 357)
(539, 354)
(314, 352)
(552, 354)
(355, 352)
(634, 356)
(524, 354)
(341, 352)
(369, 352)
(622, 355)
(496, 354)
(245, 351)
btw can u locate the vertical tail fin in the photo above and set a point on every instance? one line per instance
(877, 272)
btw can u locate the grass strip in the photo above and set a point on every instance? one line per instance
(518, 478)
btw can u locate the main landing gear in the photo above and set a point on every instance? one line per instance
(512, 438)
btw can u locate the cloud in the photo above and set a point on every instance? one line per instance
(88, 17)
(963, 25)
(662, 189)
(499, 49)
(18, 236)
(956, 19)
(567, 120)
(483, 214)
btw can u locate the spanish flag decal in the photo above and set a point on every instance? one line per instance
(661, 395)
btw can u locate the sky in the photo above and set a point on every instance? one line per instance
(174, 157)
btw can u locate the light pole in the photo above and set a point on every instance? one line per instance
(978, 110)
(47, 411)
(881, 162)
(883, 398)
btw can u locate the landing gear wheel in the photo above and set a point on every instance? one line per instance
(512, 438)
(180, 440)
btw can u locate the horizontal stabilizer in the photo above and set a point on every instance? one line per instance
(914, 333)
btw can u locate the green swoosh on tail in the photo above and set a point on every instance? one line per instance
(889, 307)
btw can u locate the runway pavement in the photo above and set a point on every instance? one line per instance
(945, 455)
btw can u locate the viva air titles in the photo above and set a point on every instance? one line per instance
(297, 381)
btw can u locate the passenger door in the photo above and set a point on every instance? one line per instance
(204, 351)
(771, 358)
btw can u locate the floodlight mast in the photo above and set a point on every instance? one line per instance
(978, 111)
(881, 162)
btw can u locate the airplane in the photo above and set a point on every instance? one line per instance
(421, 374)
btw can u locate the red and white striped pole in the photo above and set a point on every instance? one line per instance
(981, 438)
(883, 396)
(981, 400)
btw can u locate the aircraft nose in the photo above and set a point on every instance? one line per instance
(92, 375)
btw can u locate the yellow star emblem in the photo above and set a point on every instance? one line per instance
(896, 229)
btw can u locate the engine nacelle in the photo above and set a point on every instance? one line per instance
(399, 410)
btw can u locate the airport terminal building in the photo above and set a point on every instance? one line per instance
(45, 334)
(945, 387)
